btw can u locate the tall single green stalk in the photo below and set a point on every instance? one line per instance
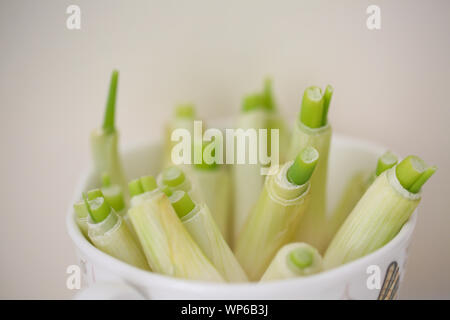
(258, 111)
(214, 187)
(104, 141)
(313, 129)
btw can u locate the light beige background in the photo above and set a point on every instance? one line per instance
(391, 86)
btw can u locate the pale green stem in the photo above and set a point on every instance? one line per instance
(386, 161)
(326, 104)
(173, 176)
(148, 183)
(312, 111)
(422, 179)
(412, 173)
(106, 180)
(301, 258)
(135, 187)
(303, 167)
(182, 203)
(108, 122)
(94, 194)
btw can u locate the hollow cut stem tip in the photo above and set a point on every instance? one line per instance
(253, 102)
(106, 180)
(412, 173)
(173, 176)
(303, 167)
(135, 187)
(301, 258)
(385, 162)
(182, 203)
(185, 111)
(311, 113)
(108, 122)
(100, 209)
(148, 183)
(94, 193)
(114, 197)
(422, 179)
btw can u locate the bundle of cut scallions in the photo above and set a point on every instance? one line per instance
(258, 112)
(183, 224)
(168, 246)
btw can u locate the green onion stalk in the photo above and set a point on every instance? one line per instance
(175, 179)
(277, 214)
(141, 189)
(380, 213)
(258, 112)
(183, 119)
(200, 224)
(108, 233)
(354, 190)
(104, 141)
(114, 196)
(312, 129)
(214, 187)
(168, 246)
(296, 259)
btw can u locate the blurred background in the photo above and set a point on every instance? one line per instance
(391, 87)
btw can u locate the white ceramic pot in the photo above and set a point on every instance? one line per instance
(107, 277)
